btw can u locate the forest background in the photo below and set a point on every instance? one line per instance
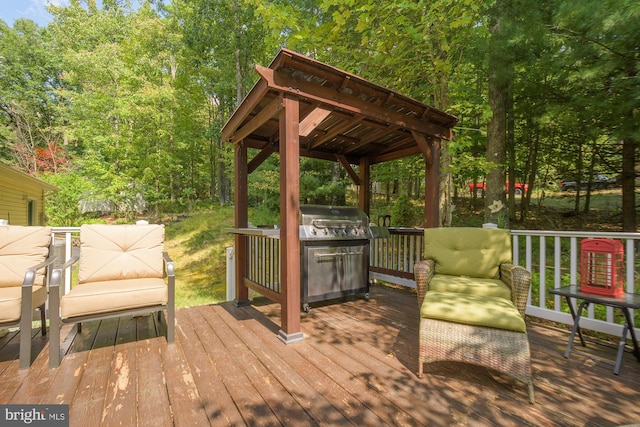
(116, 102)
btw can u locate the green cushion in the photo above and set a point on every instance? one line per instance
(470, 285)
(466, 251)
(472, 310)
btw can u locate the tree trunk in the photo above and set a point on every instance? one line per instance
(445, 202)
(212, 169)
(592, 164)
(445, 214)
(629, 183)
(511, 152)
(579, 170)
(495, 208)
(534, 151)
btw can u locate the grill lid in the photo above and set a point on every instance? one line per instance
(319, 222)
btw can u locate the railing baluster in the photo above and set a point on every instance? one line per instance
(574, 259)
(543, 273)
(630, 268)
(528, 258)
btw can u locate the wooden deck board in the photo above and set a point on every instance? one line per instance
(345, 409)
(275, 396)
(182, 390)
(222, 347)
(309, 406)
(217, 402)
(356, 366)
(88, 402)
(152, 384)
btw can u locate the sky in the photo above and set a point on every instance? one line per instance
(10, 10)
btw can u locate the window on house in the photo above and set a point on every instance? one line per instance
(31, 212)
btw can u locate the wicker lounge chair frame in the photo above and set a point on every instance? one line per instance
(502, 350)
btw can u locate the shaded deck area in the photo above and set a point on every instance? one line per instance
(356, 366)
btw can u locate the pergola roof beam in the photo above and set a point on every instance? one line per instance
(283, 82)
(254, 97)
(261, 118)
(313, 119)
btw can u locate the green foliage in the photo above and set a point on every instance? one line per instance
(62, 208)
(262, 215)
(135, 97)
(28, 76)
(405, 214)
(322, 183)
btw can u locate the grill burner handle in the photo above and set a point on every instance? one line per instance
(338, 254)
(326, 223)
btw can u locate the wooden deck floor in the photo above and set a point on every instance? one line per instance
(356, 366)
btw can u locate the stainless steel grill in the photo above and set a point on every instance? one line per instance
(334, 245)
(333, 223)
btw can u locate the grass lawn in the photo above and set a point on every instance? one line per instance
(554, 211)
(197, 244)
(603, 200)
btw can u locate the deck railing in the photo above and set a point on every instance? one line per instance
(264, 262)
(392, 258)
(62, 241)
(551, 256)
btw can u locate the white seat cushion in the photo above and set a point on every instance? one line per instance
(113, 295)
(11, 298)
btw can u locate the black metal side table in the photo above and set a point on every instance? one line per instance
(624, 302)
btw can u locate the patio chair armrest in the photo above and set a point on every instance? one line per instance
(27, 286)
(171, 297)
(30, 275)
(519, 280)
(423, 272)
(70, 262)
(54, 283)
(57, 274)
(171, 277)
(169, 266)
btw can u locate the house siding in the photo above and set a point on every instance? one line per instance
(20, 193)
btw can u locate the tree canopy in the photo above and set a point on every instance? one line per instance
(120, 99)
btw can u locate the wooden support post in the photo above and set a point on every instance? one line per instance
(432, 184)
(241, 200)
(289, 220)
(364, 195)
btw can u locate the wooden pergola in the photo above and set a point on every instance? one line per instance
(303, 107)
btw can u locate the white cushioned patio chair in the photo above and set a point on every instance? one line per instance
(472, 301)
(123, 270)
(24, 268)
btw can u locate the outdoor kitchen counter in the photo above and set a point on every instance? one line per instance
(274, 233)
